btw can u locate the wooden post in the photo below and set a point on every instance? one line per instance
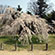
(15, 46)
(2, 46)
(46, 46)
(31, 46)
(16, 39)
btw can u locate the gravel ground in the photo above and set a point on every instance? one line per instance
(27, 52)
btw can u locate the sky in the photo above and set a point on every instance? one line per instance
(22, 3)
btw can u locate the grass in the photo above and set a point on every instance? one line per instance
(9, 44)
(3, 39)
(51, 42)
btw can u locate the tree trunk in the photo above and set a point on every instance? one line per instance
(31, 46)
(46, 46)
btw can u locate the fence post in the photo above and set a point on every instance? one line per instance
(31, 46)
(46, 46)
(2, 46)
(15, 46)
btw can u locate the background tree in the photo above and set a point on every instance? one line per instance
(50, 16)
(19, 8)
(29, 13)
(53, 15)
(39, 7)
(2, 9)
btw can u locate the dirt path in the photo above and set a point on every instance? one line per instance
(27, 52)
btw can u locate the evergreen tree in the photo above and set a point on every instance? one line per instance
(53, 15)
(19, 8)
(29, 13)
(38, 7)
(50, 16)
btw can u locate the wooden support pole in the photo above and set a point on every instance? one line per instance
(46, 46)
(15, 46)
(2, 46)
(31, 46)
